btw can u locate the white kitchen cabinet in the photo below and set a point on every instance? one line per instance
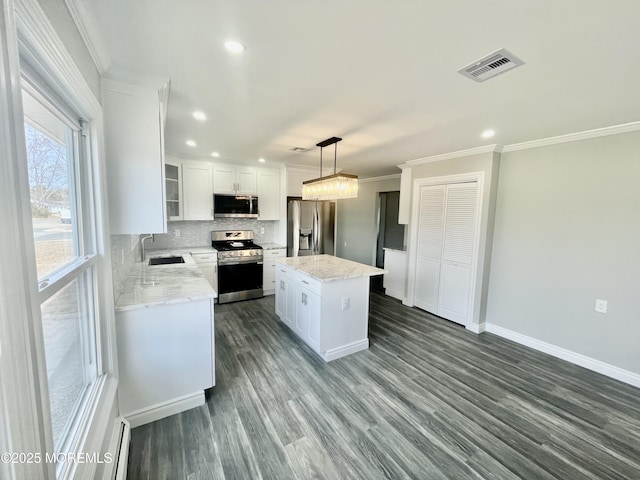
(208, 265)
(268, 194)
(286, 295)
(395, 262)
(134, 147)
(308, 315)
(165, 359)
(404, 207)
(197, 187)
(234, 180)
(173, 188)
(269, 269)
(330, 317)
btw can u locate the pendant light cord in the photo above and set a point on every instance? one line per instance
(335, 157)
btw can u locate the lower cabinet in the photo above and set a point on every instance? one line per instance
(330, 317)
(208, 265)
(395, 262)
(269, 269)
(165, 359)
(308, 317)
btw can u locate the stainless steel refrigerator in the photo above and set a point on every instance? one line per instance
(310, 227)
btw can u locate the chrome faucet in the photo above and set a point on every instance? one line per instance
(142, 239)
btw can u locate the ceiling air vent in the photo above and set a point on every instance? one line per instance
(300, 149)
(490, 66)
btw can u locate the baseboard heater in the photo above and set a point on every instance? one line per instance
(120, 449)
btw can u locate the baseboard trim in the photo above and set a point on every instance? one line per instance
(397, 294)
(165, 409)
(345, 350)
(568, 355)
(477, 327)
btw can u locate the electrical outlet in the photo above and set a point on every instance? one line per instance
(176, 232)
(261, 230)
(346, 303)
(601, 306)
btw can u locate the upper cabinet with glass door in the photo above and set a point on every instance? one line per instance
(134, 141)
(173, 187)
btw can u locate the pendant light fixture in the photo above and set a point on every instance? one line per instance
(331, 187)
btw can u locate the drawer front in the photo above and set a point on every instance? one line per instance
(205, 257)
(279, 252)
(310, 283)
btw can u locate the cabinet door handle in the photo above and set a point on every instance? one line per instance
(304, 281)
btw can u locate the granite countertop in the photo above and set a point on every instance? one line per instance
(271, 246)
(147, 286)
(328, 268)
(401, 250)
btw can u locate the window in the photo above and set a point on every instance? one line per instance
(65, 252)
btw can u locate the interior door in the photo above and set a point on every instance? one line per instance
(429, 252)
(457, 251)
(445, 251)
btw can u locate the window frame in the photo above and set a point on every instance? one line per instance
(29, 38)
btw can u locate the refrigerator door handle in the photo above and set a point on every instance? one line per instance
(316, 231)
(296, 228)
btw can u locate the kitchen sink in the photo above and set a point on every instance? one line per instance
(165, 260)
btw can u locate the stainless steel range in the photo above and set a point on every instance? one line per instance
(240, 264)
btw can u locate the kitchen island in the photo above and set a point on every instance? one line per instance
(325, 301)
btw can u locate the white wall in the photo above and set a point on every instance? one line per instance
(567, 231)
(357, 222)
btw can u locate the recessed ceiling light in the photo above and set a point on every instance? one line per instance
(215, 154)
(191, 143)
(261, 160)
(198, 115)
(488, 133)
(234, 47)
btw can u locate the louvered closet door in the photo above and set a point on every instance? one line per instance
(457, 251)
(429, 252)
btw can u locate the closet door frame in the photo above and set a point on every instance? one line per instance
(412, 248)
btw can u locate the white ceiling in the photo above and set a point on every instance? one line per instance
(380, 74)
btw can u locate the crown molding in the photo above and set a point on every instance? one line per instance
(393, 176)
(450, 155)
(574, 137)
(88, 28)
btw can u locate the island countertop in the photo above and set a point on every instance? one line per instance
(328, 268)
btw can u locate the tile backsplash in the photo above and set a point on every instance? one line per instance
(198, 234)
(125, 251)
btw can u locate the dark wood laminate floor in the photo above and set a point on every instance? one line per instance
(428, 400)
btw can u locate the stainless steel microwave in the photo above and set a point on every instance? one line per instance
(235, 206)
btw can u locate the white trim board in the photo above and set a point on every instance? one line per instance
(88, 28)
(574, 137)
(564, 354)
(393, 176)
(345, 350)
(165, 409)
(450, 155)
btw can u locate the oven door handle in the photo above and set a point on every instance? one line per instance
(242, 262)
